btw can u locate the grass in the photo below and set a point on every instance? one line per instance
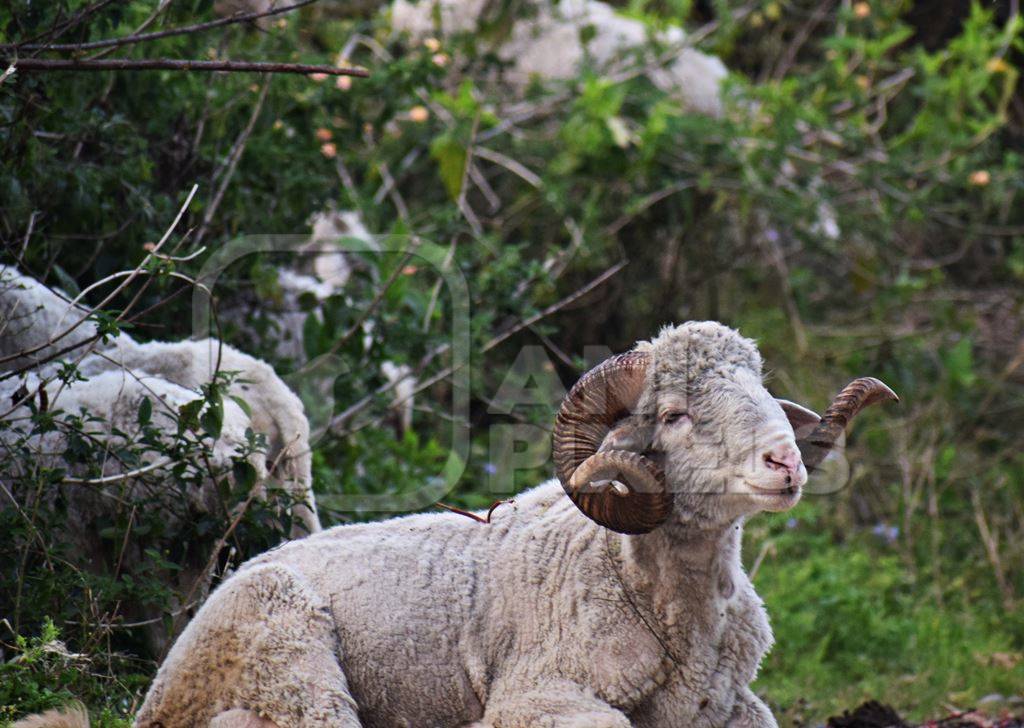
(852, 623)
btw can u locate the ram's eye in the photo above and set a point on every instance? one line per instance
(673, 416)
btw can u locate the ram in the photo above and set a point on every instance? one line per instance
(613, 598)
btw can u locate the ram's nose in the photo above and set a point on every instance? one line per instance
(784, 458)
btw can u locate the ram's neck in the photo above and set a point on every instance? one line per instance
(677, 564)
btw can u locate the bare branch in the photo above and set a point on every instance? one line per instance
(343, 417)
(171, 64)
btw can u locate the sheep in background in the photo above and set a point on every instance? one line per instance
(623, 604)
(115, 398)
(550, 45)
(274, 410)
(30, 316)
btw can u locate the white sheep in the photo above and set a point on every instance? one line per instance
(273, 409)
(562, 35)
(113, 400)
(32, 314)
(624, 604)
(118, 376)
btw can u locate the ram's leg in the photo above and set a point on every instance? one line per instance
(559, 704)
(750, 711)
(264, 647)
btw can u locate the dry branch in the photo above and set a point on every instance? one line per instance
(170, 64)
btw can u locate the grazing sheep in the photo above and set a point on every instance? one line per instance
(623, 604)
(550, 44)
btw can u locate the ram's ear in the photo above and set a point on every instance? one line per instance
(800, 418)
(631, 433)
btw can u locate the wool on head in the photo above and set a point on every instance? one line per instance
(697, 349)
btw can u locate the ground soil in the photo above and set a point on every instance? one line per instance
(875, 715)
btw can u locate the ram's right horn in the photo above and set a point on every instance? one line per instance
(621, 490)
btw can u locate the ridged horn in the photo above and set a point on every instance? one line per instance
(854, 397)
(603, 396)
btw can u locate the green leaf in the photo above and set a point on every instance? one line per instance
(959, 361)
(242, 404)
(188, 415)
(145, 411)
(312, 333)
(212, 419)
(68, 283)
(244, 474)
(451, 160)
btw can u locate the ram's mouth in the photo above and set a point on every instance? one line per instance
(786, 490)
(775, 500)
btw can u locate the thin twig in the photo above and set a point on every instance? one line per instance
(173, 64)
(119, 476)
(462, 203)
(138, 269)
(363, 403)
(513, 166)
(28, 236)
(232, 162)
(470, 514)
(991, 544)
(801, 37)
(56, 31)
(766, 548)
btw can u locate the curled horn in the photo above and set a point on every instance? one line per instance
(856, 395)
(603, 396)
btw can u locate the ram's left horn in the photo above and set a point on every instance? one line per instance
(856, 395)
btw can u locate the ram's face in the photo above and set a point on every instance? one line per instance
(682, 427)
(726, 441)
